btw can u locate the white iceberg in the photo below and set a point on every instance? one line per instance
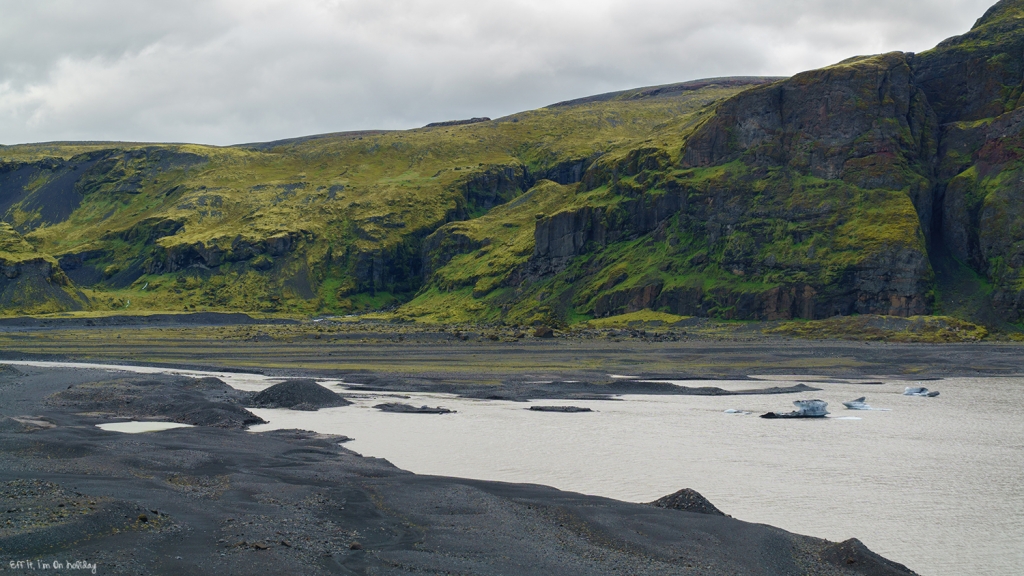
(804, 409)
(918, 391)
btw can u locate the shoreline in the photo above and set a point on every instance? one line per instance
(232, 501)
(377, 357)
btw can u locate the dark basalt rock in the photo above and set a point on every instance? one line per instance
(300, 394)
(688, 500)
(569, 409)
(400, 408)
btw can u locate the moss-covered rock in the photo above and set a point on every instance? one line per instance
(30, 282)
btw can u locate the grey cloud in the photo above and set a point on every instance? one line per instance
(227, 71)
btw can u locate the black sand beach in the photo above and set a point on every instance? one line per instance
(221, 500)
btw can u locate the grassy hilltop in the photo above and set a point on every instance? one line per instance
(886, 185)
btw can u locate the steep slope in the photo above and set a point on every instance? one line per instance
(889, 184)
(974, 83)
(828, 193)
(316, 224)
(793, 200)
(30, 282)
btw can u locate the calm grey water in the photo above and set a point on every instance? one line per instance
(935, 483)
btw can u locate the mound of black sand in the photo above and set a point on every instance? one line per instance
(204, 402)
(299, 394)
(400, 408)
(853, 555)
(569, 409)
(688, 500)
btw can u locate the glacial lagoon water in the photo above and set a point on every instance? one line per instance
(934, 483)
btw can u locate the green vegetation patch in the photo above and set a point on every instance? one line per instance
(930, 329)
(639, 319)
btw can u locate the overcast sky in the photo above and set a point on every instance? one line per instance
(231, 71)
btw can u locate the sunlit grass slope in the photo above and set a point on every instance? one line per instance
(316, 225)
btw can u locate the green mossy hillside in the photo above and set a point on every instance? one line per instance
(882, 186)
(30, 282)
(326, 224)
(640, 319)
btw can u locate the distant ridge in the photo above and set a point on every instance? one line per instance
(631, 94)
(303, 139)
(670, 89)
(458, 122)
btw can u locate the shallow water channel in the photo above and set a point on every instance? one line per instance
(935, 483)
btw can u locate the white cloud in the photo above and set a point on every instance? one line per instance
(227, 71)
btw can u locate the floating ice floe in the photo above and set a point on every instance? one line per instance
(861, 404)
(918, 391)
(804, 409)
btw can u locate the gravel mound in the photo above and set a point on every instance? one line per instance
(853, 555)
(688, 500)
(205, 402)
(301, 394)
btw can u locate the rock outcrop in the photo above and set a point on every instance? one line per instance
(33, 283)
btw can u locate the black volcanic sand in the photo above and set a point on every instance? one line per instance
(209, 500)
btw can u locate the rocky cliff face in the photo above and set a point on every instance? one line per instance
(804, 158)
(846, 190)
(974, 84)
(33, 283)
